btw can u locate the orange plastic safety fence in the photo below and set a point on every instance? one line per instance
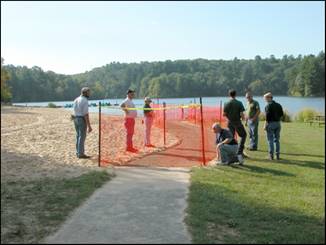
(176, 126)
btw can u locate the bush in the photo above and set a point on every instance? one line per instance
(306, 114)
(51, 105)
(286, 116)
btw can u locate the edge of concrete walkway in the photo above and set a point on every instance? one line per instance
(153, 210)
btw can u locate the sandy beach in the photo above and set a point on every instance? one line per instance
(40, 142)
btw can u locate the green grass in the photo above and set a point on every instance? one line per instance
(32, 210)
(264, 201)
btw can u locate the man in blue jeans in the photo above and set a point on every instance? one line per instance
(81, 121)
(252, 121)
(274, 113)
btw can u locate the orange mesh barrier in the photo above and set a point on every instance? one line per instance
(179, 135)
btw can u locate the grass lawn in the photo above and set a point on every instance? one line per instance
(32, 210)
(264, 201)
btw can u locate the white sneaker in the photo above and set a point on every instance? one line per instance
(240, 159)
(219, 162)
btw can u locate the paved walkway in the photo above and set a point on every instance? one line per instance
(140, 205)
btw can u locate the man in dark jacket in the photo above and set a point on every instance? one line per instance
(233, 111)
(274, 113)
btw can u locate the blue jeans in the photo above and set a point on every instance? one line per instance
(273, 136)
(80, 126)
(253, 133)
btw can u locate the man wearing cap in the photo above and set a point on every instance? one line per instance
(226, 146)
(130, 115)
(274, 113)
(81, 121)
(148, 119)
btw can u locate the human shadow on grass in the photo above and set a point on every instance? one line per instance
(217, 214)
(296, 154)
(306, 164)
(262, 170)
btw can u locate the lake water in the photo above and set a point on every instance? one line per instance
(291, 104)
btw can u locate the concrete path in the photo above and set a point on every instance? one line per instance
(139, 205)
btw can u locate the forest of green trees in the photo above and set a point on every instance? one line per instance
(293, 76)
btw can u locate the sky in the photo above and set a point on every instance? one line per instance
(74, 37)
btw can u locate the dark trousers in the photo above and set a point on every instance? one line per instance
(238, 127)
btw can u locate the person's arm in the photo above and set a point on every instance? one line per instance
(226, 141)
(254, 118)
(88, 123)
(86, 115)
(124, 108)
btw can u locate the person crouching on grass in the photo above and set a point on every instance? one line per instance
(148, 119)
(227, 146)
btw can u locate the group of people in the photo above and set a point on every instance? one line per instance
(82, 122)
(130, 114)
(228, 149)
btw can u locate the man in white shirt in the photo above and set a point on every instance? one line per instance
(130, 115)
(81, 121)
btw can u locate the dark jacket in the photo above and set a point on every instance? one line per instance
(274, 112)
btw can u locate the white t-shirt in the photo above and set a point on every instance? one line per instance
(81, 106)
(129, 104)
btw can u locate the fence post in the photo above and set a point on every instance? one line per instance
(99, 134)
(202, 131)
(164, 137)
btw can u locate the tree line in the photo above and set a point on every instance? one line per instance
(289, 75)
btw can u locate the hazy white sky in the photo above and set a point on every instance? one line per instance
(72, 37)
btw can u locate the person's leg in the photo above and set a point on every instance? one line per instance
(128, 133)
(83, 130)
(277, 139)
(148, 125)
(255, 134)
(80, 126)
(270, 139)
(231, 128)
(251, 134)
(243, 134)
(132, 130)
(77, 136)
(232, 151)
(223, 154)
(218, 154)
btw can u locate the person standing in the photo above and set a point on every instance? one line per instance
(274, 113)
(252, 121)
(129, 119)
(81, 121)
(233, 111)
(148, 119)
